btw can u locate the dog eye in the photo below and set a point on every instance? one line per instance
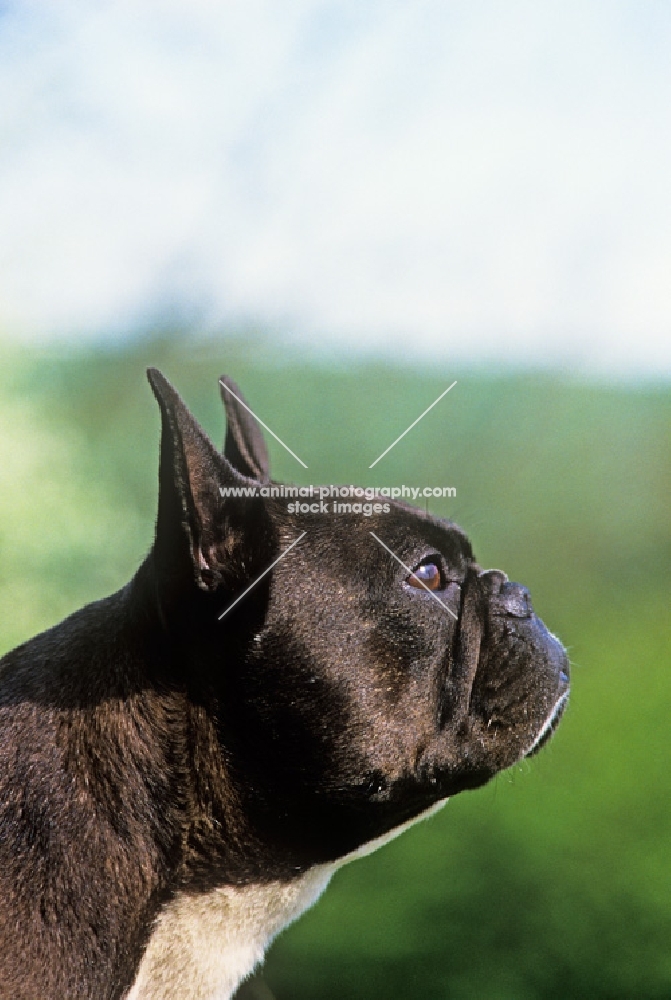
(425, 576)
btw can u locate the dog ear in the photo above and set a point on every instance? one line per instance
(244, 447)
(191, 527)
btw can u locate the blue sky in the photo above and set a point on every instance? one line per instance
(484, 181)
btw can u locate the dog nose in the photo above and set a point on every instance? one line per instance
(495, 579)
(516, 600)
(506, 597)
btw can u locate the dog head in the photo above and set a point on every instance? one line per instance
(374, 671)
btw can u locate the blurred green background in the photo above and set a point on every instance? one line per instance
(553, 881)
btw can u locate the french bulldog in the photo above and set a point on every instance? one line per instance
(182, 768)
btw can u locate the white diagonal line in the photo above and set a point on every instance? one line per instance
(413, 424)
(242, 403)
(252, 585)
(411, 573)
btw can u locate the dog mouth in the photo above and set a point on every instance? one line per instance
(554, 718)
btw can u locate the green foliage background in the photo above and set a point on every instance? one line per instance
(554, 880)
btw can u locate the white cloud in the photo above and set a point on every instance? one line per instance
(483, 180)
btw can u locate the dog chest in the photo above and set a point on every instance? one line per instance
(203, 945)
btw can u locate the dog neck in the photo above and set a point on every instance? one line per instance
(203, 945)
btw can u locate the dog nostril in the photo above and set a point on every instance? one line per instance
(516, 600)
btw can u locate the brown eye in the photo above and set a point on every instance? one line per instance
(425, 576)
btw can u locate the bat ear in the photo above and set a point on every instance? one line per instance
(244, 447)
(193, 520)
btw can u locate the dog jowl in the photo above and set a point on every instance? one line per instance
(176, 786)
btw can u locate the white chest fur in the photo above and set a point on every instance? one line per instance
(204, 945)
